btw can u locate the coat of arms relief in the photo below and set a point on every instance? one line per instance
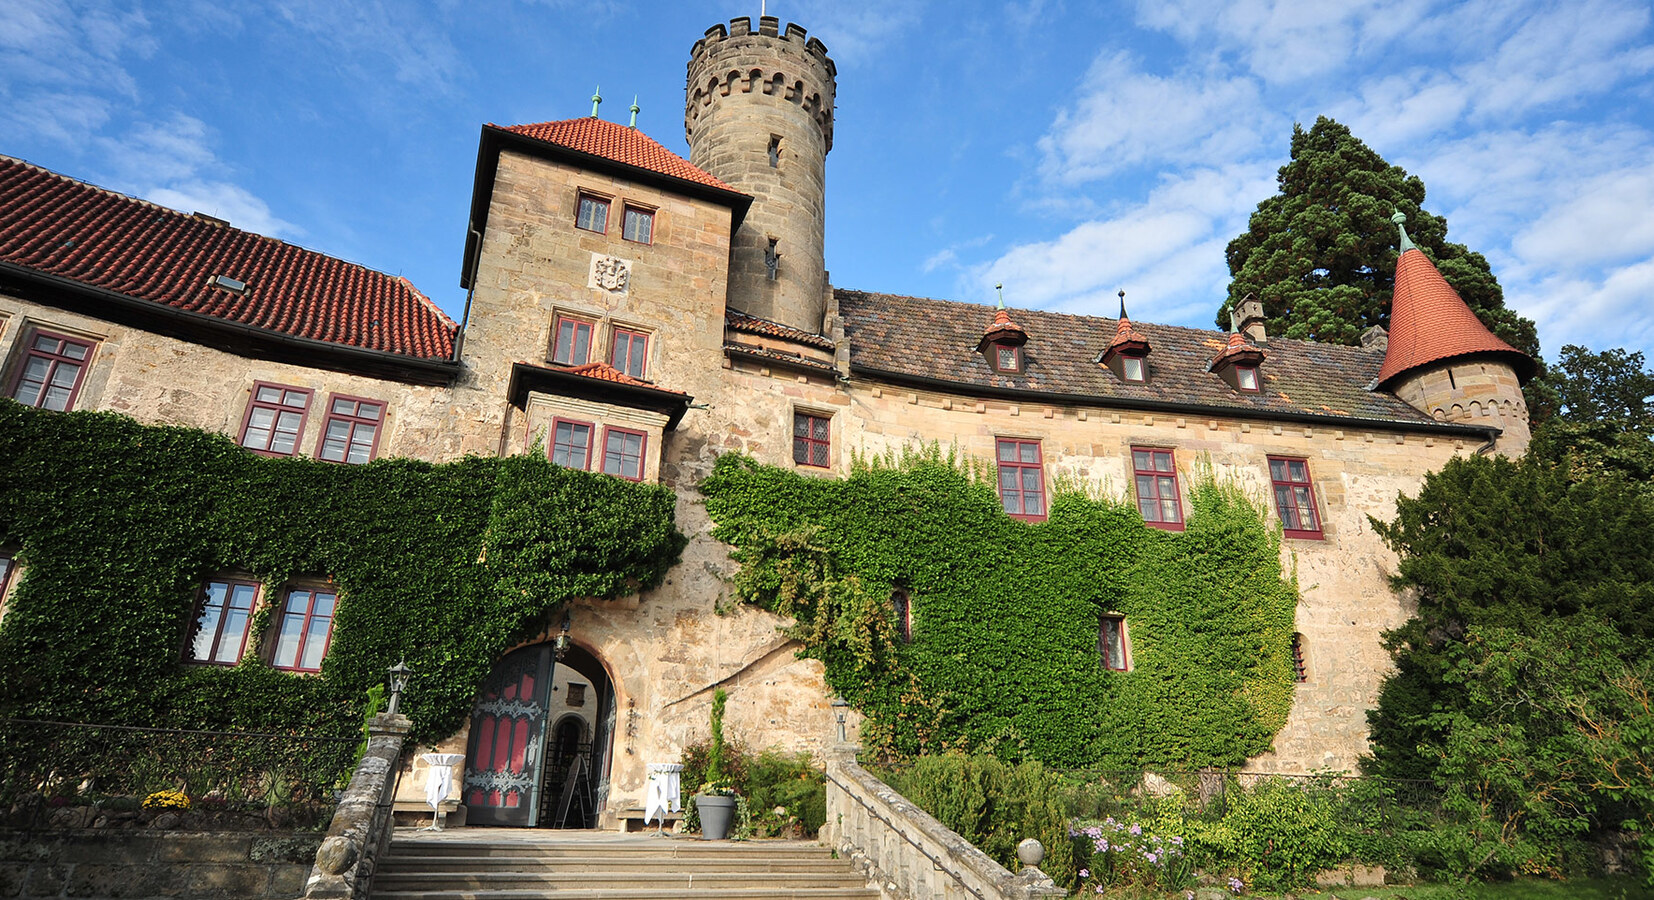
(610, 273)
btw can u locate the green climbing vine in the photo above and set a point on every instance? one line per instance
(1005, 614)
(116, 525)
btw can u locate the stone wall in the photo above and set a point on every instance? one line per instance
(1472, 392)
(96, 864)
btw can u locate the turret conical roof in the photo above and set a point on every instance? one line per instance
(1430, 322)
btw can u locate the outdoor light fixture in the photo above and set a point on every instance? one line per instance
(840, 707)
(563, 639)
(400, 674)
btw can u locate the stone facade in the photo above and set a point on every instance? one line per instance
(663, 652)
(95, 864)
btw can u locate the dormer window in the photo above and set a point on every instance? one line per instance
(1006, 358)
(1246, 378)
(1238, 364)
(1127, 355)
(1134, 368)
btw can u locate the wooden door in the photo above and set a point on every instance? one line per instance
(508, 737)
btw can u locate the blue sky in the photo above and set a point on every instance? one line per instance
(1067, 149)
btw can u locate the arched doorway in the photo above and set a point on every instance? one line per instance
(540, 746)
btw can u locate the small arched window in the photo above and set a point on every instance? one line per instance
(904, 614)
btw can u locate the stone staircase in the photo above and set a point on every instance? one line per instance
(517, 864)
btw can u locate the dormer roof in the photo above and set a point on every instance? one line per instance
(1003, 331)
(1430, 322)
(1127, 340)
(1238, 352)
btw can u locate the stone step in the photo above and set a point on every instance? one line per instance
(659, 848)
(618, 862)
(755, 893)
(559, 882)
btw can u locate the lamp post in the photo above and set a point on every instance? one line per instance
(840, 707)
(400, 674)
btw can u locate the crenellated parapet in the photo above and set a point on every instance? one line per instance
(791, 67)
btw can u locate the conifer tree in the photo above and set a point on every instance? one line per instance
(1321, 254)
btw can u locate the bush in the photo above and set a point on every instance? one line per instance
(768, 780)
(1278, 835)
(994, 805)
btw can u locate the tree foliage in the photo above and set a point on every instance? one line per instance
(1594, 412)
(1523, 681)
(1321, 254)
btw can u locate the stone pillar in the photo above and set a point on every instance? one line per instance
(759, 115)
(361, 826)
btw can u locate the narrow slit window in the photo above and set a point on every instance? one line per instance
(1111, 643)
(904, 615)
(775, 151)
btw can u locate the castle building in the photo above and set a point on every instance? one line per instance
(636, 313)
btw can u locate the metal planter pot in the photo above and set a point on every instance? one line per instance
(716, 814)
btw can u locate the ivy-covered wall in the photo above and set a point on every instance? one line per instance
(1006, 614)
(117, 524)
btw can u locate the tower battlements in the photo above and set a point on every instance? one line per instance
(758, 113)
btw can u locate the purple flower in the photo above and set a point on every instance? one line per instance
(1102, 844)
(1099, 889)
(1136, 829)
(1152, 858)
(1085, 873)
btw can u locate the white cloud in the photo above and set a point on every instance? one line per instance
(1166, 252)
(366, 36)
(1285, 40)
(48, 44)
(1598, 312)
(230, 202)
(1127, 117)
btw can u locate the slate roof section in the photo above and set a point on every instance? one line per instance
(931, 341)
(618, 143)
(1430, 322)
(778, 357)
(56, 226)
(740, 321)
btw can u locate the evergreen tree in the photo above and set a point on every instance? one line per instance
(1321, 254)
(1594, 413)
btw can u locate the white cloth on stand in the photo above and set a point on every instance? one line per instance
(664, 790)
(440, 779)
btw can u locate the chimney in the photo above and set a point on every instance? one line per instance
(1375, 338)
(1247, 317)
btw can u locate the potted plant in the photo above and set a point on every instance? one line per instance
(715, 802)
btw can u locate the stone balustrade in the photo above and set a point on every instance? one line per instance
(361, 826)
(906, 851)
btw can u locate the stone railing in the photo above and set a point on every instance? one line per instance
(361, 827)
(906, 851)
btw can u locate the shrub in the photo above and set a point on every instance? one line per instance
(1277, 834)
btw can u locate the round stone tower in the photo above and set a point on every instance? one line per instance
(760, 116)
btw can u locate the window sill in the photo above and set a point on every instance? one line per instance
(1165, 526)
(1024, 517)
(1303, 535)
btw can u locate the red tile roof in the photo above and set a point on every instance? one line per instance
(1429, 322)
(1126, 338)
(740, 321)
(1239, 350)
(57, 226)
(617, 142)
(1003, 330)
(602, 371)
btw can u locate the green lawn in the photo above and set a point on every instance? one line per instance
(1526, 889)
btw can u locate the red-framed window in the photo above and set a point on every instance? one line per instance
(8, 564)
(1111, 643)
(638, 224)
(1155, 472)
(623, 453)
(629, 351)
(223, 614)
(812, 440)
(592, 213)
(571, 343)
(571, 443)
(904, 615)
(1246, 378)
(1294, 497)
(275, 419)
(305, 630)
(1005, 358)
(1134, 368)
(1021, 479)
(1300, 669)
(54, 366)
(350, 434)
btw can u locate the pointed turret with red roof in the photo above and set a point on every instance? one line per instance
(1444, 361)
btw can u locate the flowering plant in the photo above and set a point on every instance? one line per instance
(167, 800)
(1127, 853)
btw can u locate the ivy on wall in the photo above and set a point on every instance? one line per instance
(1006, 614)
(117, 524)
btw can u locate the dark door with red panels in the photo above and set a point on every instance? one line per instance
(508, 737)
